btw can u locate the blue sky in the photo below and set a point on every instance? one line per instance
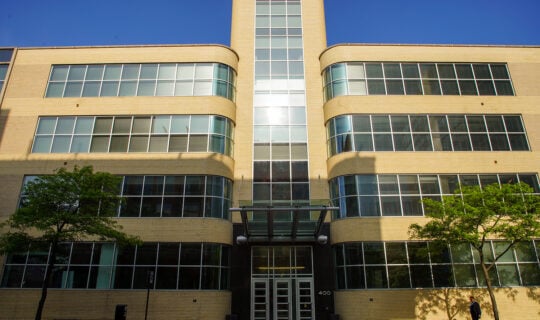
(30, 23)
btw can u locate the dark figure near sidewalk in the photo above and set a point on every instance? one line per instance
(474, 307)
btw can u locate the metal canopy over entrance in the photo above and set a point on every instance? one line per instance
(283, 224)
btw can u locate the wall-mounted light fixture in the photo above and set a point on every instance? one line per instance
(240, 240)
(322, 239)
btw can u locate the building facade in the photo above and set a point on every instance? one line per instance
(275, 178)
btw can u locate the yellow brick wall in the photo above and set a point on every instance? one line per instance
(100, 305)
(314, 43)
(444, 304)
(180, 230)
(242, 42)
(9, 193)
(371, 229)
(434, 162)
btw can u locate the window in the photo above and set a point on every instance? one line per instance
(87, 265)
(160, 133)
(426, 133)
(172, 196)
(166, 79)
(401, 195)
(175, 196)
(395, 78)
(425, 265)
(281, 181)
(5, 59)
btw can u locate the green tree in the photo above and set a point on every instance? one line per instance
(473, 215)
(62, 207)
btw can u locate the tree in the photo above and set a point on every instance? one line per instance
(63, 207)
(473, 215)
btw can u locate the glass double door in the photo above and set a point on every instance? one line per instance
(282, 286)
(282, 299)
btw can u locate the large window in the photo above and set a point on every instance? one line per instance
(402, 132)
(278, 45)
(280, 182)
(382, 265)
(172, 196)
(395, 78)
(5, 59)
(176, 196)
(280, 148)
(281, 261)
(401, 195)
(159, 79)
(157, 133)
(98, 265)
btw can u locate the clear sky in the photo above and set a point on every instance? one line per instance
(30, 23)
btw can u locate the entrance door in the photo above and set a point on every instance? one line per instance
(282, 283)
(282, 299)
(304, 299)
(260, 299)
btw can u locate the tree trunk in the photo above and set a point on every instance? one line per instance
(448, 306)
(46, 280)
(490, 289)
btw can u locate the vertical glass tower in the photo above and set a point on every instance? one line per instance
(278, 96)
(280, 148)
(279, 102)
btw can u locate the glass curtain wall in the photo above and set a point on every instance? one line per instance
(394, 78)
(280, 132)
(418, 132)
(147, 79)
(101, 265)
(388, 265)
